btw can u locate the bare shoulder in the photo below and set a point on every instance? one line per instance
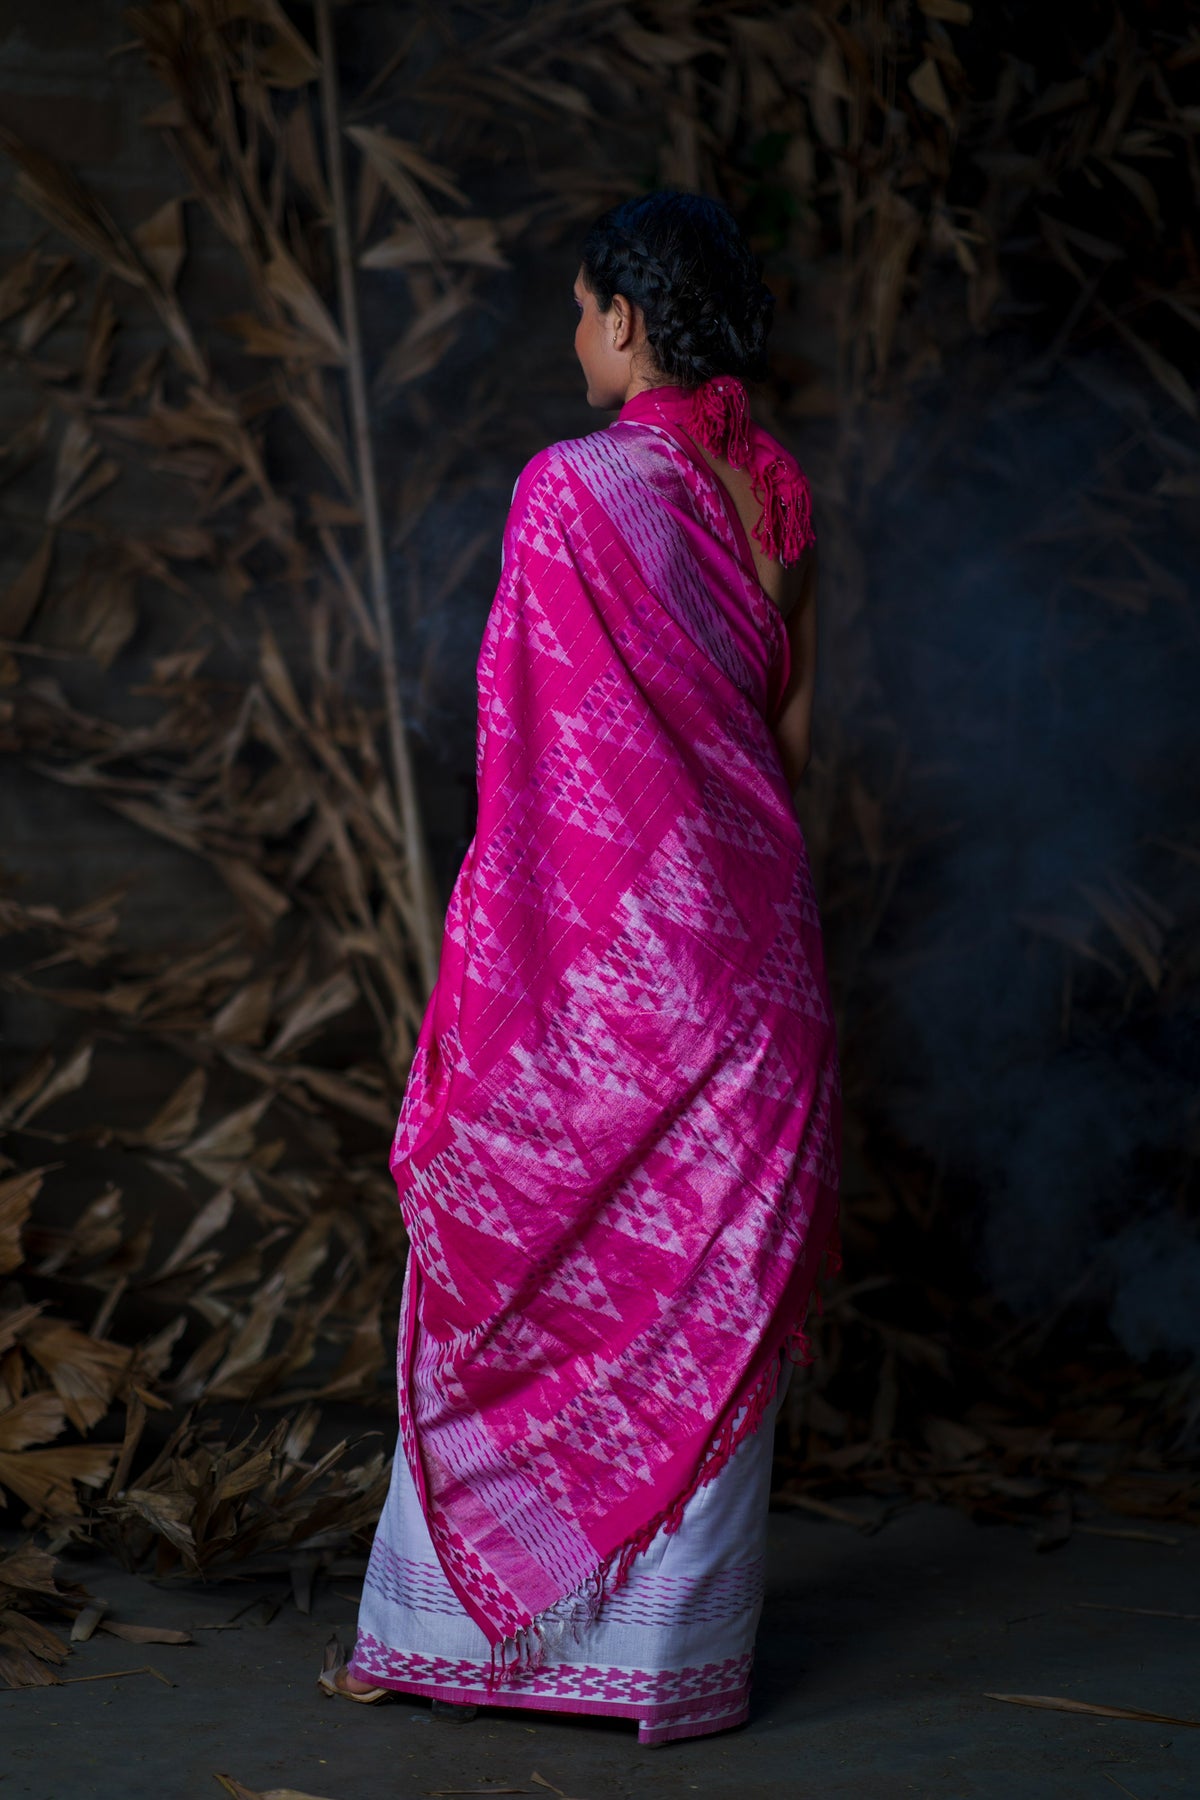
(784, 583)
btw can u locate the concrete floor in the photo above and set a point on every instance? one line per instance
(874, 1657)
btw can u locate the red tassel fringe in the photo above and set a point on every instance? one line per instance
(720, 419)
(785, 527)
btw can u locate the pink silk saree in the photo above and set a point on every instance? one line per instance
(618, 1152)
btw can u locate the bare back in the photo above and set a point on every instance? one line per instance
(793, 589)
(780, 583)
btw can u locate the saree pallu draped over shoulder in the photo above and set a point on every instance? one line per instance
(618, 1152)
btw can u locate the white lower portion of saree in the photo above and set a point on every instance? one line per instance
(672, 1648)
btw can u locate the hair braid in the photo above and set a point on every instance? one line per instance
(682, 259)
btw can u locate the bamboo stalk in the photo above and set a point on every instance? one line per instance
(425, 913)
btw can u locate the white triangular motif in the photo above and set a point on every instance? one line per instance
(639, 1210)
(785, 976)
(641, 972)
(819, 1157)
(683, 886)
(578, 1284)
(726, 817)
(597, 1424)
(422, 1228)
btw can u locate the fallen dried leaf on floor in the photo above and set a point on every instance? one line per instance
(145, 1634)
(1055, 1703)
(240, 1791)
(119, 1675)
(29, 1651)
(290, 1794)
(86, 1621)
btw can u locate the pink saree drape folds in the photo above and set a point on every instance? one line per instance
(618, 1152)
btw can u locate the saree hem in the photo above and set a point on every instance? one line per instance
(717, 1706)
(673, 1649)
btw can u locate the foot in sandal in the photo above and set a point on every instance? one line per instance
(340, 1682)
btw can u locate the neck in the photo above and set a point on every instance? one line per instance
(641, 384)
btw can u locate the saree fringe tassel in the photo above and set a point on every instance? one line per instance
(570, 1617)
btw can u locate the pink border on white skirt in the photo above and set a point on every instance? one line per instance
(720, 1697)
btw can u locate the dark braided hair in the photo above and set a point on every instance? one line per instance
(683, 260)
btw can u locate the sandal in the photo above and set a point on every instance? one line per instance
(450, 1712)
(329, 1684)
(331, 1667)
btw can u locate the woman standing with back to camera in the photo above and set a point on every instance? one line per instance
(618, 1153)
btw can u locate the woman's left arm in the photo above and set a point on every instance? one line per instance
(793, 724)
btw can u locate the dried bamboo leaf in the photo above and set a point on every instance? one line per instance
(41, 319)
(175, 1122)
(287, 60)
(145, 1634)
(95, 1232)
(79, 473)
(14, 1323)
(558, 96)
(249, 1345)
(169, 1514)
(87, 1621)
(448, 241)
(245, 1015)
(240, 1791)
(28, 1651)
(232, 1139)
(264, 903)
(300, 146)
(340, 1090)
(66, 1080)
(46, 1479)
(323, 437)
(291, 287)
(27, 1086)
(1138, 184)
(86, 1371)
(212, 1218)
(350, 588)
(162, 244)
(427, 339)
(1169, 377)
(313, 1009)
(35, 1419)
(258, 338)
(898, 232)
(19, 284)
(1141, 938)
(63, 200)
(25, 446)
(1056, 1703)
(30, 1571)
(105, 615)
(401, 166)
(17, 1194)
